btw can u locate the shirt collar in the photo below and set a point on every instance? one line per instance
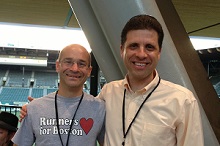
(149, 87)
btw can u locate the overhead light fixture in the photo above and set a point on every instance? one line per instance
(201, 43)
(40, 37)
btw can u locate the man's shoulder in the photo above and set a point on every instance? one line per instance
(174, 87)
(91, 98)
(42, 100)
(115, 83)
(92, 101)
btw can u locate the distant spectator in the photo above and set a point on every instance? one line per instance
(8, 127)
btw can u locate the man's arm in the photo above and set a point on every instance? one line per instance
(23, 111)
(189, 131)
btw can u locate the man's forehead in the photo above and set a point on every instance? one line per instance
(73, 53)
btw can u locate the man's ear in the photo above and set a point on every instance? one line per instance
(121, 51)
(160, 50)
(57, 66)
(89, 72)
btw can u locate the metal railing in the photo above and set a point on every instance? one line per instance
(11, 109)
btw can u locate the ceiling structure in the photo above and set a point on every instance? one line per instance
(199, 17)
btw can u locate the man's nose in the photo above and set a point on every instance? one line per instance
(141, 53)
(74, 66)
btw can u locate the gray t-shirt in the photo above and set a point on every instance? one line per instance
(39, 125)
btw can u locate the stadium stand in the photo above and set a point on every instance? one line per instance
(18, 78)
(12, 94)
(51, 90)
(3, 78)
(16, 87)
(216, 84)
(37, 92)
(46, 79)
(2, 72)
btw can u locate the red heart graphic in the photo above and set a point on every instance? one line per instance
(86, 124)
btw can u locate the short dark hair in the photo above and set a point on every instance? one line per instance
(141, 22)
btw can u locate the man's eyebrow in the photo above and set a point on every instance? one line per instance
(67, 58)
(83, 61)
(133, 44)
(70, 59)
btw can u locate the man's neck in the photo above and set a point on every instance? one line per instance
(139, 83)
(70, 92)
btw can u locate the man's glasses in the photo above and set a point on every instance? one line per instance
(70, 63)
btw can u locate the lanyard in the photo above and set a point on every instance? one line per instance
(123, 112)
(57, 118)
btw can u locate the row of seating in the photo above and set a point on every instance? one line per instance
(215, 80)
(19, 78)
(11, 95)
(18, 95)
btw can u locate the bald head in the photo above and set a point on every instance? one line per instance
(73, 67)
(76, 49)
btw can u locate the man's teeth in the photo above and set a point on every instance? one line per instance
(140, 64)
(72, 76)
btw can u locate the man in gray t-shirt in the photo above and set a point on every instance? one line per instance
(69, 116)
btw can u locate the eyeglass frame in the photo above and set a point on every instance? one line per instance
(82, 64)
